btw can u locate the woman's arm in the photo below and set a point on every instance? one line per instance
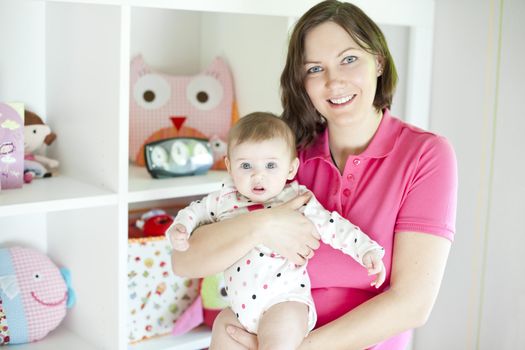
(215, 247)
(417, 270)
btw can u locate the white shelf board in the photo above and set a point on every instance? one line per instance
(53, 194)
(199, 338)
(60, 338)
(142, 187)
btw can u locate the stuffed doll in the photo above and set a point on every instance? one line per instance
(34, 295)
(36, 134)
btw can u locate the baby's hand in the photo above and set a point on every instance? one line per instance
(178, 237)
(374, 265)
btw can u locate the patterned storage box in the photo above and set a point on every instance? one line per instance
(156, 296)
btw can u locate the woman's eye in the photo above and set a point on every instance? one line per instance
(315, 69)
(349, 59)
(245, 166)
(271, 165)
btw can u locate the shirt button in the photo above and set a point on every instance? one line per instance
(350, 177)
(357, 162)
(346, 192)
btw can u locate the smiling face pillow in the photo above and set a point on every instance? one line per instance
(34, 295)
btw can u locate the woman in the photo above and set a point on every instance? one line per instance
(397, 182)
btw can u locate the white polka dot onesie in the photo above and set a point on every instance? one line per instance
(263, 278)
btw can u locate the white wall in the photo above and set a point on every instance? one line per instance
(476, 95)
(20, 80)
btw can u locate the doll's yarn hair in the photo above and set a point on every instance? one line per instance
(258, 127)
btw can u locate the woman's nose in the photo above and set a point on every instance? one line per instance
(334, 80)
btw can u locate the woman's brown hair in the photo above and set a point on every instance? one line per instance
(298, 110)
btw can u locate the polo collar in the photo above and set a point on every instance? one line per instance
(381, 145)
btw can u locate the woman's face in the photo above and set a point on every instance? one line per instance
(341, 77)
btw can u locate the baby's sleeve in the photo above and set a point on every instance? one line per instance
(199, 212)
(340, 233)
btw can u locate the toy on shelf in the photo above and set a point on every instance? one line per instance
(164, 106)
(36, 135)
(11, 145)
(154, 223)
(34, 295)
(212, 299)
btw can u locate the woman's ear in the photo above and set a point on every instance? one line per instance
(294, 166)
(380, 65)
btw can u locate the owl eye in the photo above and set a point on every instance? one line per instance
(204, 92)
(151, 91)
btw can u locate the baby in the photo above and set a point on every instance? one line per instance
(264, 287)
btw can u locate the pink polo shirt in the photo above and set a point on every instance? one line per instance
(406, 180)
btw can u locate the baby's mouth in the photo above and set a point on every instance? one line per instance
(258, 189)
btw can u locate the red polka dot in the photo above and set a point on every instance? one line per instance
(248, 262)
(272, 255)
(230, 278)
(265, 286)
(235, 207)
(243, 306)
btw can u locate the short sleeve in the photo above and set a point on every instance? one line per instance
(430, 200)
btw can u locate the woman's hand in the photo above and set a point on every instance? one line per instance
(286, 231)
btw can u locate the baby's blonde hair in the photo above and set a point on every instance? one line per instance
(261, 126)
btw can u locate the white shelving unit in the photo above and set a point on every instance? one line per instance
(68, 60)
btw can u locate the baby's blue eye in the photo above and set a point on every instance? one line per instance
(246, 166)
(315, 69)
(271, 165)
(349, 59)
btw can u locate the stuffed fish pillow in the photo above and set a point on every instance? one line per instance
(34, 295)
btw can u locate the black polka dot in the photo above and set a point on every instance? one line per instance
(279, 274)
(355, 240)
(261, 254)
(304, 205)
(212, 214)
(331, 220)
(222, 185)
(238, 268)
(302, 285)
(254, 297)
(268, 207)
(237, 315)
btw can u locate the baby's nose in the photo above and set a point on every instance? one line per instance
(257, 175)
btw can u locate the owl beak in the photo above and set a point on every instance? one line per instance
(177, 121)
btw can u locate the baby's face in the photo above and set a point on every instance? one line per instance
(260, 169)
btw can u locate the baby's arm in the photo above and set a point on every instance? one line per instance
(341, 234)
(198, 213)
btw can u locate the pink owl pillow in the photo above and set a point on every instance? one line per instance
(164, 106)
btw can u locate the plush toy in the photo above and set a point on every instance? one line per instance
(34, 295)
(164, 106)
(212, 299)
(154, 223)
(36, 134)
